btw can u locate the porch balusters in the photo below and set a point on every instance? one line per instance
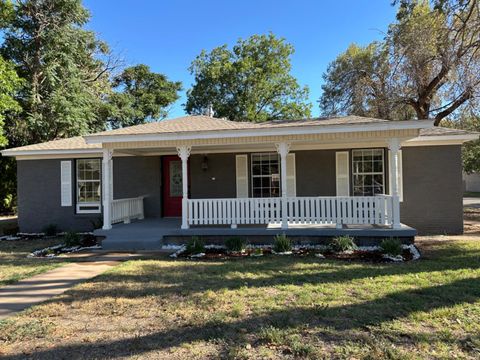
(107, 181)
(283, 149)
(394, 146)
(184, 154)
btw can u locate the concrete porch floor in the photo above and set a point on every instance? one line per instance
(151, 233)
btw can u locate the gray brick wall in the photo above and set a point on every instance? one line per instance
(432, 189)
(39, 202)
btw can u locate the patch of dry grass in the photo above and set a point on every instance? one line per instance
(14, 264)
(277, 307)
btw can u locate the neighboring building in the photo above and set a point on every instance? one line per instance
(324, 175)
(471, 182)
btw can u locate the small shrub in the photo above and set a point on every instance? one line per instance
(195, 246)
(282, 244)
(97, 223)
(50, 230)
(235, 244)
(392, 247)
(72, 239)
(342, 243)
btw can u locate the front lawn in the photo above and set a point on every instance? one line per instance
(276, 307)
(14, 264)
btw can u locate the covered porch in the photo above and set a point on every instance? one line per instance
(361, 202)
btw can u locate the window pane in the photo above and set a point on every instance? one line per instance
(265, 175)
(368, 172)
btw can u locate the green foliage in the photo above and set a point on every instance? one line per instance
(391, 246)
(141, 96)
(50, 230)
(9, 85)
(282, 244)
(71, 238)
(235, 244)
(8, 185)
(427, 66)
(342, 243)
(251, 82)
(65, 68)
(195, 246)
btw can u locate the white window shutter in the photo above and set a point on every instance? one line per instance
(291, 176)
(66, 183)
(400, 174)
(342, 173)
(242, 176)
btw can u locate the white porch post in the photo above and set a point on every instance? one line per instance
(184, 153)
(107, 194)
(394, 146)
(283, 149)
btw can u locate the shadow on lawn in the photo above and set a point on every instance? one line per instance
(341, 318)
(194, 277)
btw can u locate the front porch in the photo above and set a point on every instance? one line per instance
(152, 234)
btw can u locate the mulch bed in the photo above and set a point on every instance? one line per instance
(356, 255)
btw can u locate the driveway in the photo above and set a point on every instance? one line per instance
(471, 202)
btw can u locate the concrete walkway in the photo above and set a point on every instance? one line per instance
(34, 290)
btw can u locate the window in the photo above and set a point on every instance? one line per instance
(368, 172)
(265, 175)
(88, 185)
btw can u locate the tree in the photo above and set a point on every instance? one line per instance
(359, 82)
(250, 82)
(9, 85)
(65, 68)
(432, 60)
(470, 121)
(141, 96)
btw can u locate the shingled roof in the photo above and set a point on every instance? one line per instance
(199, 123)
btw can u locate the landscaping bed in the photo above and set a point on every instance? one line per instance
(341, 248)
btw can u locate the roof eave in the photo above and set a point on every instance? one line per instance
(272, 131)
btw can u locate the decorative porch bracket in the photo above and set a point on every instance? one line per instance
(107, 180)
(283, 149)
(184, 154)
(394, 146)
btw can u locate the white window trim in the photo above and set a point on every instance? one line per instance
(370, 172)
(80, 206)
(262, 176)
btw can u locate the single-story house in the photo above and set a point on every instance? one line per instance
(196, 174)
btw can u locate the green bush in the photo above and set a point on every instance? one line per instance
(342, 243)
(282, 244)
(195, 246)
(71, 238)
(50, 230)
(235, 244)
(391, 246)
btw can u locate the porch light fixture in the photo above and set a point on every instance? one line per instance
(205, 163)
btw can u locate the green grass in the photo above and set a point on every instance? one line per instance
(272, 307)
(14, 264)
(471, 194)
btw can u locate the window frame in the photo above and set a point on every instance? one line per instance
(88, 207)
(252, 176)
(372, 173)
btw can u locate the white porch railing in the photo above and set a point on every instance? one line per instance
(127, 209)
(372, 210)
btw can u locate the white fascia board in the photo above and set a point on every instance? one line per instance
(49, 152)
(275, 131)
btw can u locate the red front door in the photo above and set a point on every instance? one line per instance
(172, 186)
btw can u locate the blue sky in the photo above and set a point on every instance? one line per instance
(167, 35)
